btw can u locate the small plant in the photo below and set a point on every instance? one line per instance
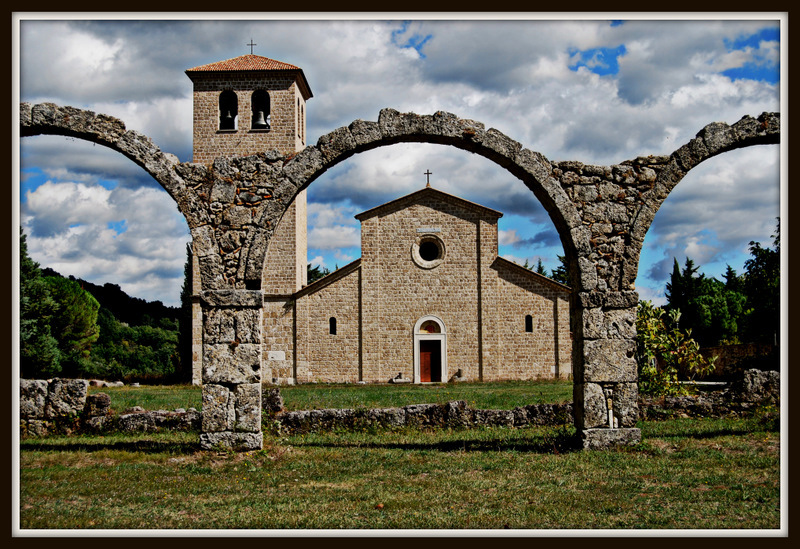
(664, 350)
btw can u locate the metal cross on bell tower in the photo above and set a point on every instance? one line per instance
(251, 44)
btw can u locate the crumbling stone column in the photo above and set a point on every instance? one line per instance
(232, 369)
(605, 390)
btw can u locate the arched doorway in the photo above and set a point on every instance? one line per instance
(430, 350)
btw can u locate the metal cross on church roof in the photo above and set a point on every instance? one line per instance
(428, 173)
(251, 44)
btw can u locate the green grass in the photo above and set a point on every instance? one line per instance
(498, 396)
(152, 397)
(686, 474)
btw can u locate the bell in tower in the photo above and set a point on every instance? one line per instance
(260, 123)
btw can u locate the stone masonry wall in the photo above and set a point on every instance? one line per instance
(544, 353)
(59, 405)
(322, 356)
(285, 265)
(449, 291)
(210, 142)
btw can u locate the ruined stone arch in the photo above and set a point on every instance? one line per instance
(232, 207)
(713, 140)
(50, 119)
(441, 128)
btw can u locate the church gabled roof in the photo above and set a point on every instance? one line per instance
(251, 62)
(403, 201)
(505, 263)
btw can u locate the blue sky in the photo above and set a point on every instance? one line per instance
(599, 91)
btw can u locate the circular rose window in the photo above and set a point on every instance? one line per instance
(428, 251)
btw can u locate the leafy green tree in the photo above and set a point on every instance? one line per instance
(664, 352)
(316, 272)
(561, 273)
(184, 373)
(134, 352)
(683, 288)
(75, 325)
(40, 355)
(762, 287)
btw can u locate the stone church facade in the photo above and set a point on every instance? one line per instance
(429, 301)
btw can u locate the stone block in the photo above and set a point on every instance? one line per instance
(600, 439)
(242, 442)
(364, 132)
(32, 398)
(136, 422)
(233, 298)
(218, 408)
(65, 397)
(598, 323)
(590, 405)
(609, 360)
(247, 407)
(626, 404)
(247, 324)
(233, 364)
(271, 400)
(98, 404)
(223, 191)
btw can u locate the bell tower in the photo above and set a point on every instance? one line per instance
(244, 106)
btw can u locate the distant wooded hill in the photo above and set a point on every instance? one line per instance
(133, 311)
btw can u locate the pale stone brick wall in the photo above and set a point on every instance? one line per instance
(482, 301)
(284, 135)
(285, 269)
(545, 352)
(278, 340)
(322, 356)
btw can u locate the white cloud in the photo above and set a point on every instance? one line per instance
(507, 238)
(67, 230)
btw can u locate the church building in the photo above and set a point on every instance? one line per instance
(429, 300)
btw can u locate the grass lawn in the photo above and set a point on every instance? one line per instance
(686, 474)
(498, 396)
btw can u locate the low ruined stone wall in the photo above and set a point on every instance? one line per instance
(755, 389)
(63, 406)
(454, 414)
(57, 405)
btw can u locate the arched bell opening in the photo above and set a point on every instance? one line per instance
(260, 110)
(228, 110)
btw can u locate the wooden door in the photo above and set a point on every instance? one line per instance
(430, 360)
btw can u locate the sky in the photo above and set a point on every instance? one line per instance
(599, 89)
